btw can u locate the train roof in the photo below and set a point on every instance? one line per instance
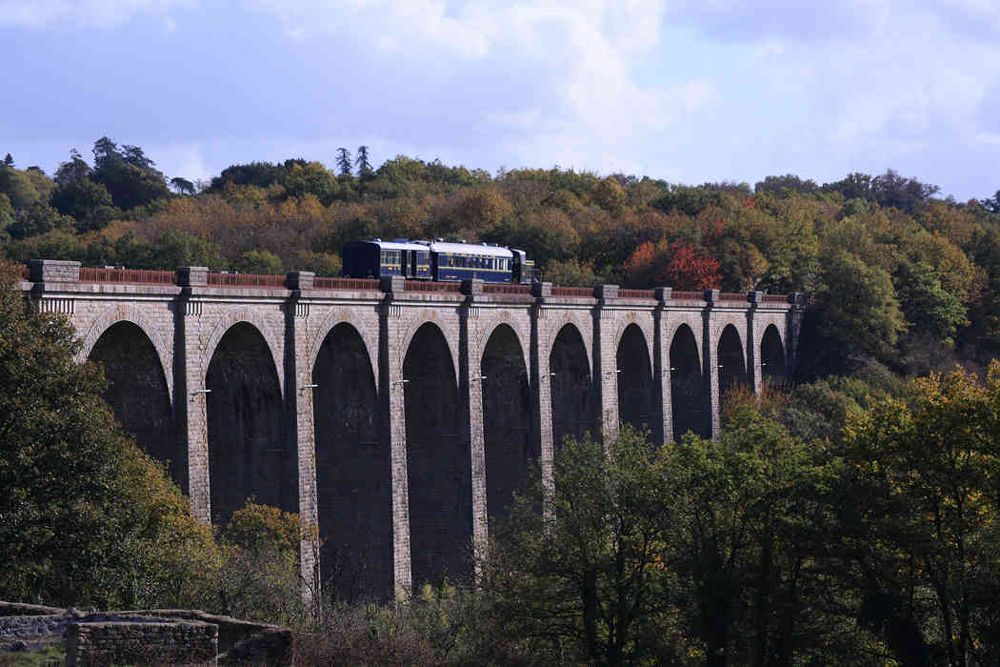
(471, 249)
(393, 245)
(479, 250)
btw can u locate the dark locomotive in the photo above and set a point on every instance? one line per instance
(436, 260)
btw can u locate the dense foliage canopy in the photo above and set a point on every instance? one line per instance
(895, 274)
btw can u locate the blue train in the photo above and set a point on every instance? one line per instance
(436, 260)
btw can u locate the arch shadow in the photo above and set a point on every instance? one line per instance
(249, 456)
(137, 391)
(732, 361)
(438, 464)
(636, 390)
(573, 395)
(509, 443)
(688, 395)
(772, 357)
(353, 471)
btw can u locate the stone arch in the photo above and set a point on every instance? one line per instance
(688, 397)
(137, 390)
(646, 328)
(487, 329)
(636, 390)
(438, 462)
(249, 317)
(353, 470)
(731, 361)
(583, 324)
(773, 361)
(573, 397)
(159, 335)
(406, 340)
(509, 445)
(249, 456)
(367, 331)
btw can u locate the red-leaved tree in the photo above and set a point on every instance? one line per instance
(679, 264)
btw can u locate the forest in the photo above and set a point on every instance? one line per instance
(894, 273)
(852, 516)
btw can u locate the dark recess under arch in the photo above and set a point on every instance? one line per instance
(438, 464)
(573, 409)
(636, 391)
(248, 452)
(506, 420)
(688, 402)
(137, 391)
(353, 472)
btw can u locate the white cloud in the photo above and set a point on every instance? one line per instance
(587, 110)
(86, 13)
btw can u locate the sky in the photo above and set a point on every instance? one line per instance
(689, 91)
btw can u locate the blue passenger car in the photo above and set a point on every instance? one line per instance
(436, 260)
(376, 258)
(464, 261)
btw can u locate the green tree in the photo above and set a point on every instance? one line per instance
(857, 313)
(85, 518)
(19, 188)
(260, 578)
(929, 308)
(751, 516)
(182, 186)
(177, 248)
(6, 213)
(923, 522)
(89, 203)
(128, 174)
(582, 580)
(260, 261)
(38, 219)
(364, 165)
(344, 164)
(311, 178)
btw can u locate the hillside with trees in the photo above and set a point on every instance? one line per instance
(895, 273)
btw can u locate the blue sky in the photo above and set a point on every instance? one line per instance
(685, 90)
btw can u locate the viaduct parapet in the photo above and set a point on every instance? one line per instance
(399, 417)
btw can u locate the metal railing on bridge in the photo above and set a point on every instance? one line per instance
(89, 274)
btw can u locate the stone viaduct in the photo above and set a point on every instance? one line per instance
(398, 418)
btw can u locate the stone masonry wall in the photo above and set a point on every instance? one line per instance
(143, 643)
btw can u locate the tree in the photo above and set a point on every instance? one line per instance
(38, 219)
(929, 308)
(923, 522)
(751, 518)
(789, 183)
(128, 174)
(344, 164)
(6, 213)
(178, 248)
(582, 580)
(610, 195)
(89, 203)
(260, 261)
(857, 310)
(85, 518)
(311, 178)
(364, 166)
(8, 161)
(182, 186)
(679, 265)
